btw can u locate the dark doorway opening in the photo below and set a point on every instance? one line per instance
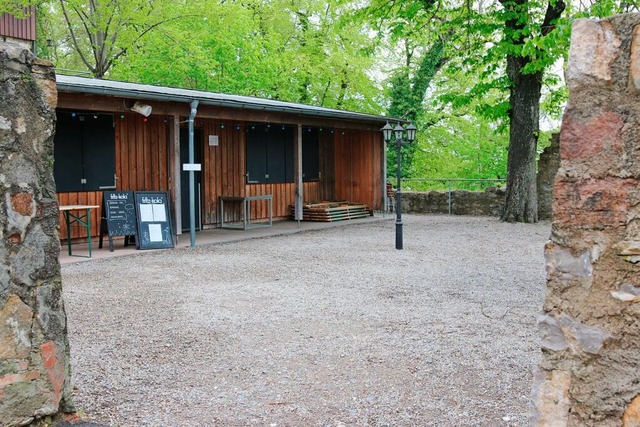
(84, 152)
(184, 178)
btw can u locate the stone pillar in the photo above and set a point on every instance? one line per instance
(589, 374)
(34, 351)
(547, 168)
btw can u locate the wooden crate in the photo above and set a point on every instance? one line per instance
(331, 211)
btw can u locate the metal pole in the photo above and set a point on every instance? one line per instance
(398, 196)
(192, 185)
(449, 182)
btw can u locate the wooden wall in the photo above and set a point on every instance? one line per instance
(141, 165)
(358, 167)
(350, 168)
(24, 28)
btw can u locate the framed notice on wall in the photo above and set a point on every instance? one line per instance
(153, 220)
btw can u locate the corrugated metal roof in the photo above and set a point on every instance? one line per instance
(76, 84)
(19, 28)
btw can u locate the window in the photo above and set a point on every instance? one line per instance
(269, 154)
(310, 154)
(84, 151)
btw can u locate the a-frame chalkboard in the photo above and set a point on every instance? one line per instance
(118, 216)
(153, 220)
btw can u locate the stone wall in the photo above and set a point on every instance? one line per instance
(548, 166)
(34, 352)
(590, 329)
(478, 203)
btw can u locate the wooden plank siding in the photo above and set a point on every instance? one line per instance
(141, 165)
(351, 163)
(358, 167)
(24, 29)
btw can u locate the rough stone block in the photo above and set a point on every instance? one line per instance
(53, 365)
(551, 399)
(590, 338)
(594, 47)
(23, 203)
(15, 329)
(562, 264)
(592, 147)
(634, 71)
(631, 417)
(593, 203)
(551, 335)
(558, 334)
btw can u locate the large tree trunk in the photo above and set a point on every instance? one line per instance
(521, 203)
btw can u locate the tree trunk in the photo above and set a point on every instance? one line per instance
(521, 202)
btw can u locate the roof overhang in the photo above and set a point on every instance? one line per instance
(83, 85)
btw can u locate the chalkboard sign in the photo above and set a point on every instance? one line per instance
(118, 216)
(153, 220)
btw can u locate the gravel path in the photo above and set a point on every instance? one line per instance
(323, 328)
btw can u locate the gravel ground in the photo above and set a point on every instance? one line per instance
(322, 328)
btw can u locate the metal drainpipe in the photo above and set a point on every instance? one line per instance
(192, 185)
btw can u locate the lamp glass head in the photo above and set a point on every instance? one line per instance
(411, 132)
(387, 130)
(398, 130)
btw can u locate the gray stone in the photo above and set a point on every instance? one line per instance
(30, 257)
(590, 338)
(551, 335)
(563, 264)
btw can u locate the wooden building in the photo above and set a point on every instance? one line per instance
(246, 146)
(19, 29)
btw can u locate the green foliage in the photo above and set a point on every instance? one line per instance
(17, 8)
(440, 64)
(293, 50)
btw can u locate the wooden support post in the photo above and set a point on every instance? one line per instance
(297, 167)
(385, 195)
(175, 172)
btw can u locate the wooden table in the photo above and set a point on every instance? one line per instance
(80, 215)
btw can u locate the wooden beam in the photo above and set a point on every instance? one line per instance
(175, 172)
(73, 101)
(297, 168)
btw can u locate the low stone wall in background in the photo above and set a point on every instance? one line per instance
(548, 166)
(486, 203)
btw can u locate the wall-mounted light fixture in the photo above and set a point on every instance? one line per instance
(141, 108)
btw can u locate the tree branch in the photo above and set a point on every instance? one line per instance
(74, 38)
(554, 11)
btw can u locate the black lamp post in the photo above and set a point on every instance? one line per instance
(395, 135)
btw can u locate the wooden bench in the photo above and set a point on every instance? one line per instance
(246, 211)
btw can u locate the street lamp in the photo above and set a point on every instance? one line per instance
(395, 135)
